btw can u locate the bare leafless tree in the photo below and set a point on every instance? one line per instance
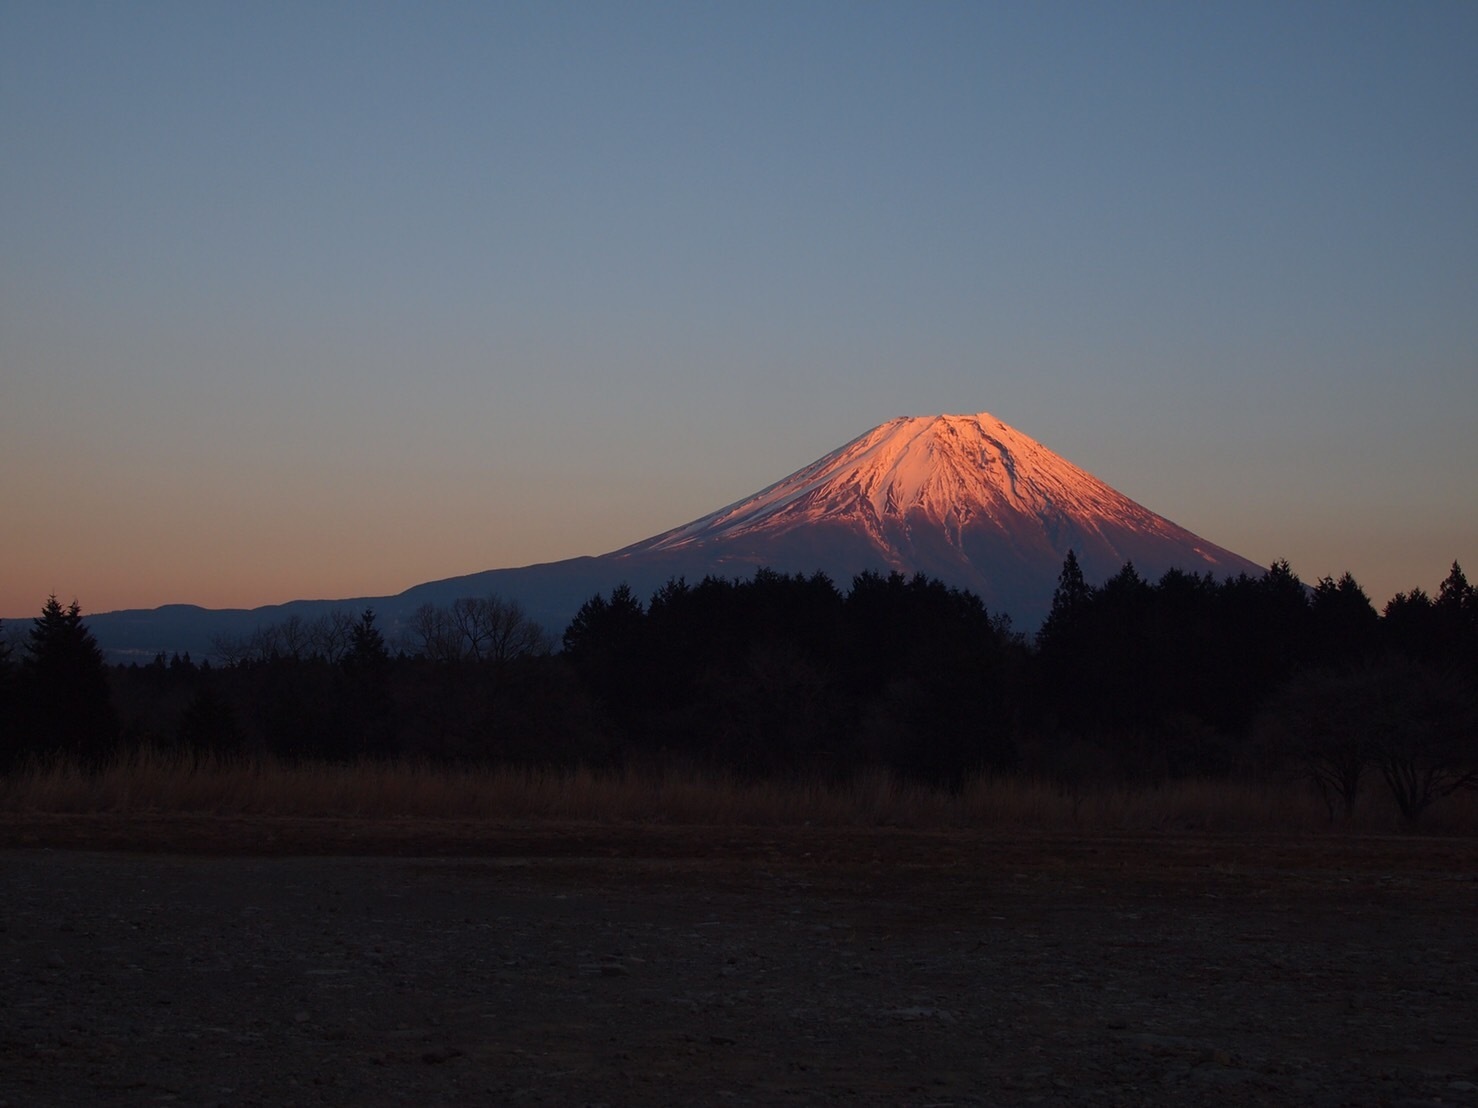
(330, 635)
(294, 638)
(432, 634)
(476, 629)
(1317, 721)
(230, 650)
(1408, 722)
(1424, 739)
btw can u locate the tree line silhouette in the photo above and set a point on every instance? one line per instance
(1130, 680)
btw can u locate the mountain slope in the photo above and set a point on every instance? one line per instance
(964, 498)
(967, 498)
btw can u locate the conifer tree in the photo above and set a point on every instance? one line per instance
(1455, 613)
(367, 651)
(1343, 622)
(7, 700)
(66, 710)
(1456, 592)
(1069, 601)
(607, 643)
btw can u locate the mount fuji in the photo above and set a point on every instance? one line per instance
(964, 498)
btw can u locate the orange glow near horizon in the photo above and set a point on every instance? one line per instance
(108, 565)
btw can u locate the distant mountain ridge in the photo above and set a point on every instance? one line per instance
(964, 498)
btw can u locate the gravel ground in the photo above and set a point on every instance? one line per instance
(582, 966)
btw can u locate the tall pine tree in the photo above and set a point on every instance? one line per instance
(66, 708)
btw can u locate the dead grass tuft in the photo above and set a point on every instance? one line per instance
(152, 783)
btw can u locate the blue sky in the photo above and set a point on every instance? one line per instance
(322, 299)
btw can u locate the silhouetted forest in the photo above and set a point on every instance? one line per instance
(1132, 680)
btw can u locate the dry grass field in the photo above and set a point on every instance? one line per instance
(152, 785)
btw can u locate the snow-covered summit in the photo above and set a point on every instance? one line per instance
(954, 471)
(967, 498)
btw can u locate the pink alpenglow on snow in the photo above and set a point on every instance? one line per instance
(966, 498)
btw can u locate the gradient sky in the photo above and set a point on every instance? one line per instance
(327, 300)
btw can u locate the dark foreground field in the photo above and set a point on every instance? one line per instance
(254, 961)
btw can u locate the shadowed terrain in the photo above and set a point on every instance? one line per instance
(383, 963)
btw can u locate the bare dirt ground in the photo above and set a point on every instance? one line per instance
(255, 962)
